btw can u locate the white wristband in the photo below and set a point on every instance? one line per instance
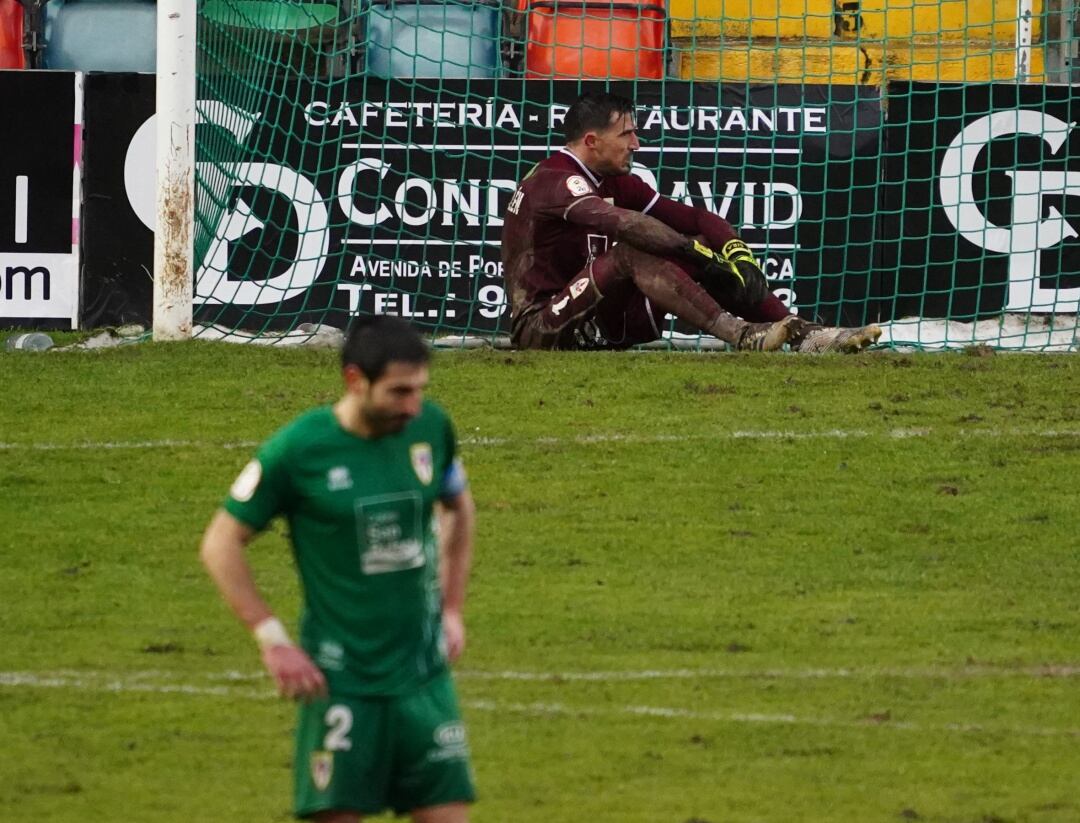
(270, 632)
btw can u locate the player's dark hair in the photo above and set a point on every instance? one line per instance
(593, 112)
(374, 342)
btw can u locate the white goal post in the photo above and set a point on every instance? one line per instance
(175, 185)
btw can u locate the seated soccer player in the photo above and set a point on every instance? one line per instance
(594, 258)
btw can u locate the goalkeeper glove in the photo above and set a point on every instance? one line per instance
(734, 270)
(755, 286)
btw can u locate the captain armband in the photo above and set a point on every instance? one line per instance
(454, 481)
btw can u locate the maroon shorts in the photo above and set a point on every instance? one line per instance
(598, 309)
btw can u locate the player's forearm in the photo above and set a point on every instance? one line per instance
(457, 527)
(693, 221)
(223, 554)
(639, 230)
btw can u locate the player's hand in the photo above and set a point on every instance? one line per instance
(738, 278)
(754, 285)
(740, 284)
(454, 633)
(296, 676)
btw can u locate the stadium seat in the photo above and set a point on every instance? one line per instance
(570, 40)
(270, 15)
(870, 43)
(101, 35)
(284, 35)
(432, 39)
(11, 35)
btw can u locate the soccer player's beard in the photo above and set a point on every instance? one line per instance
(381, 423)
(615, 169)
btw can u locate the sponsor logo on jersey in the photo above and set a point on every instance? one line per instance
(322, 769)
(422, 463)
(578, 286)
(391, 525)
(558, 307)
(331, 655)
(338, 479)
(395, 557)
(243, 488)
(578, 185)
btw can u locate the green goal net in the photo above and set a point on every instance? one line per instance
(913, 165)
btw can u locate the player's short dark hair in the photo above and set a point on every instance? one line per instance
(593, 112)
(374, 342)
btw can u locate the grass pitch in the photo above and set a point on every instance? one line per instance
(714, 588)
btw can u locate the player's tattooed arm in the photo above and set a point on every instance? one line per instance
(693, 221)
(633, 227)
(729, 266)
(649, 234)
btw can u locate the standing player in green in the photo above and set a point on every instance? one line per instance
(360, 484)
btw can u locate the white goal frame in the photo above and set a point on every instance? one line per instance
(175, 186)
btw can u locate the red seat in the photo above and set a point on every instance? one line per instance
(11, 35)
(572, 40)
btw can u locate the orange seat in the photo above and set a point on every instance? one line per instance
(11, 35)
(595, 40)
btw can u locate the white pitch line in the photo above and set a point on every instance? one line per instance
(109, 684)
(586, 439)
(911, 673)
(102, 682)
(108, 445)
(1048, 671)
(564, 710)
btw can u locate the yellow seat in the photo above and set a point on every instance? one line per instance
(869, 41)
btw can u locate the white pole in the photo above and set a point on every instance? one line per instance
(1023, 40)
(173, 238)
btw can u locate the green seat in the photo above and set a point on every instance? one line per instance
(246, 36)
(272, 15)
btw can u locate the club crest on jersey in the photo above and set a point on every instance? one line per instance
(578, 286)
(322, 769)
(578, 185)
(422, 462)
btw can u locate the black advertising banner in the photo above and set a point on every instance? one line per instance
(118, 213)
(981, 211)
(386, 197)
(411, 183)
(39, 199)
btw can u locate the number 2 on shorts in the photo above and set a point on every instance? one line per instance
(339, 723)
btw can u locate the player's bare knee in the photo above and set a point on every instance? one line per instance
(335, 816)
(447, 813)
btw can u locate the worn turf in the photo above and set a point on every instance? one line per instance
(708, 587)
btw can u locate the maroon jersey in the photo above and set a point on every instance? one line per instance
(541, 250)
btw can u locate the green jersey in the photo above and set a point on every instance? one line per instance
(360, 516)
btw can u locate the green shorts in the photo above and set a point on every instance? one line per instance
(370, 754)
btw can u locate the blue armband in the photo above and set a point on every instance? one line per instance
(454, 481)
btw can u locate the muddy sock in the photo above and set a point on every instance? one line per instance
(670, 288)
(768, 310)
